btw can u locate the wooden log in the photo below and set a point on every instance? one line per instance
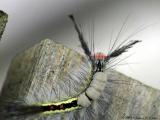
(50, 72)
(37, 74)
(131, 99)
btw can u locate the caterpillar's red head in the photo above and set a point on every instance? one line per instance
(99, 61)
(99, 56)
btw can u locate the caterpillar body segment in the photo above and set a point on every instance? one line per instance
(83, 100)
(99, 80)
(94, 90)
(92, 93)
(97, 86)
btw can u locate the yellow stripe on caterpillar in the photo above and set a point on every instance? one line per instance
(59, 107)
(60, 111)
(58, 103)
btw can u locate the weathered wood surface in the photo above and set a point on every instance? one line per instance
(131, 99)
(41, 73)
(50, 72)
(3, 21)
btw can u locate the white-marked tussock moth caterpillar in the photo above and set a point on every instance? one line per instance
(91, 103)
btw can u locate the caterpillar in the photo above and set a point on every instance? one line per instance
(99, 61)
(83, 105)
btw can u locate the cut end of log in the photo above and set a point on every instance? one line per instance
(46, 72)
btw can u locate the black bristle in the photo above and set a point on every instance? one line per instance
(122, 49)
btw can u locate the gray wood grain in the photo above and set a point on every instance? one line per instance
(37, 74)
